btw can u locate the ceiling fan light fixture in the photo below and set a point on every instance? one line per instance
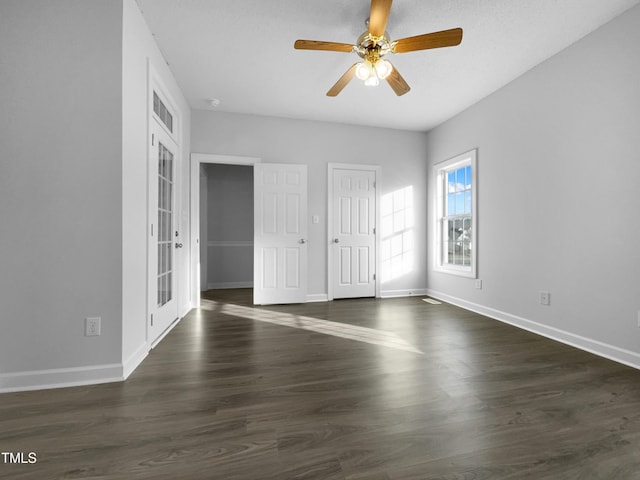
(383, 69)
(372, 81)
(364, 70)
(374, 43)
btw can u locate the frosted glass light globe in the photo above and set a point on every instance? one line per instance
(364, 70)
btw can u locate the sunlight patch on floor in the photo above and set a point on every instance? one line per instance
(327, 327)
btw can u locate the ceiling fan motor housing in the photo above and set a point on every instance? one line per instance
(373, 48)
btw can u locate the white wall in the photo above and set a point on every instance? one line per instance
(139, 53)
(401, 155)
(558, 176)
(229, 226)
(60, 185)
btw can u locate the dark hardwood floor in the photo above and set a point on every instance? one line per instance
(351, 389)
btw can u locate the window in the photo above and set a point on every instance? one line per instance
(456, 215)
(162, 112)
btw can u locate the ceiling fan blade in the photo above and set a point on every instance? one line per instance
(379, 16)
(397, 82)
(318, 45)
(445, 38)
(342, 81)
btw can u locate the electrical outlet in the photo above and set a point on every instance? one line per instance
(92, 326)
(478, 284)
(545, 298)
(638, 318)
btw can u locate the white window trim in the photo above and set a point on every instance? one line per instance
(439, 169)
(157, 85)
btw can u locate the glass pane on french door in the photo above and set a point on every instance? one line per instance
(165, 225)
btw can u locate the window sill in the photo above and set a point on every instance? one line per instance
(458, 272)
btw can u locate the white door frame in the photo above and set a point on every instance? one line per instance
(330, 234)
(156, 85)
(194, 211)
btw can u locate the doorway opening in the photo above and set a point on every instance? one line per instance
(280, 229)
(226, 226)
(209, 245)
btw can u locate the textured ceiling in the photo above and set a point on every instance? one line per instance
(241, 52)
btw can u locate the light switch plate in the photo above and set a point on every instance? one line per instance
(545, 298)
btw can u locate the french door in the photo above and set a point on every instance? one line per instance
(163, 305)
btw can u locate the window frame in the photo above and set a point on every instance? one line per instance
(157, 87)
(441, 171)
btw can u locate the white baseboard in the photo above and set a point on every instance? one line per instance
(317, 297)
(185, 309)
(403, 293)
(135, 360)
(77, 376)
(157, 341)
(224, 285)
(60, 377)
(617, 354)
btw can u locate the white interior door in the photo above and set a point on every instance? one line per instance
(280, 233)
(353, 241)
(163, 305)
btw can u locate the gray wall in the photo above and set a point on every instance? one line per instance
(558, 176)
(73, 182)
(60, 182)
(400, 154)
(229, 225)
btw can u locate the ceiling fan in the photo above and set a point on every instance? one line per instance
(374, 44)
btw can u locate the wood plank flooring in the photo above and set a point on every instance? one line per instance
(229, 394)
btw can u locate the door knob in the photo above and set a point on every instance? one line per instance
(336, 240)
(178, 245)
(302, 240)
